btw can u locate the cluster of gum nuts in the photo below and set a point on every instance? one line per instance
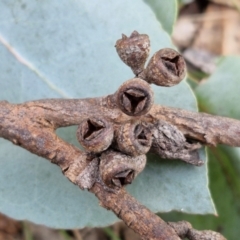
(122, 149)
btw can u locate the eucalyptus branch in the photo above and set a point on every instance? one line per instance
(117, 131)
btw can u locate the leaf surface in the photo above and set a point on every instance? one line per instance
(219, 95)
(165, 13)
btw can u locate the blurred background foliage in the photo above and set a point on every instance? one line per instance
(207, 33)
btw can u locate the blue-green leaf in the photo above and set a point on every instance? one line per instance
(166, 12)
(219, 94)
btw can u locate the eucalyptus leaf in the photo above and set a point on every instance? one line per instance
(55, 49)
(219, 94)
(166, 13)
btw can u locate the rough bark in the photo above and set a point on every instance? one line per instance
(135, 215)
(205, 128)
(32, 126)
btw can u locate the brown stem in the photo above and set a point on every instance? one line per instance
(19, 124)
(29, 129)
(31, 125)
(205, 128)
(136, 216)
(184, 230)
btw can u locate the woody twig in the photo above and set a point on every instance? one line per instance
(117, 131)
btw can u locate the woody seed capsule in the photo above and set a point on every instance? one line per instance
(134, 97)
(95, 134)
(134, 50)
(166, 68)
(117, 169)
(133, 138)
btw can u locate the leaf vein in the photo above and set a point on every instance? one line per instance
(30, 66)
